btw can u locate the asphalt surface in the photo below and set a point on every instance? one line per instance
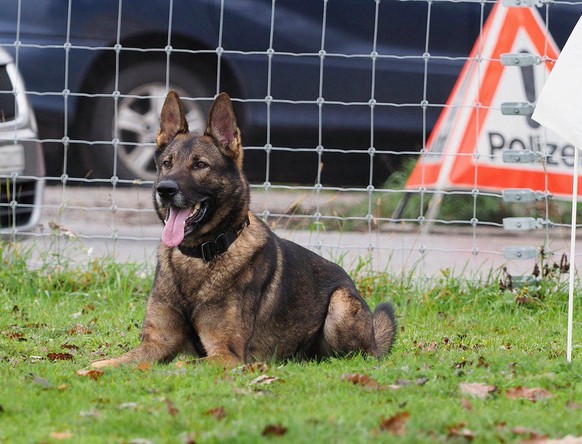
(101, 221)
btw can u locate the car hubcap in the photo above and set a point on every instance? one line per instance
(136, 126)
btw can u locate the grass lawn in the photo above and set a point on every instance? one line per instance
(472, 362)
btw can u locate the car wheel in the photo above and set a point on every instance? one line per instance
(134, 122)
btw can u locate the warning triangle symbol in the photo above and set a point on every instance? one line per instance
(464, 150)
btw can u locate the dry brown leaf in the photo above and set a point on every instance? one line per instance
(431, 346)
(61, 435)
(531, 394)
(143, 366)
(274, 430)
(69, 347)
(460, 431)
(79, 329)
(14, 336)
(477, 390)
(528, 433)
(94, 374)
(217, 412)
(59, 356)
(265, 380)
(362, 380)
(395, 424)
(466, 404)
(172, 410)
(255, 367)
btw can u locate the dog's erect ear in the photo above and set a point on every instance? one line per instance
(222, 127)
(172, 120)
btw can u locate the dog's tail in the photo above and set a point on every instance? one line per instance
(385, 328)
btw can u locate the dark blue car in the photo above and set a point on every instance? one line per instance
(303, 75)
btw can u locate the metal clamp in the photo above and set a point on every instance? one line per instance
(519, 156)
(520, 252)
(523, 223)
(522, 195)
(522, 3)
(517, 108)
(520, 59)
(524, 281)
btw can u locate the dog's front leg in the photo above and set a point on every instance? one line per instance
(165, 333)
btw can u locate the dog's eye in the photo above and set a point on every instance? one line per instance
(167, 164)
(200, 165)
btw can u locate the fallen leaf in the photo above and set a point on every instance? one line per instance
(395, 424)
(531, 394)
(61, 435)
(94, 374)
(255, 367)
(481, 362)
(460, 431)
(69, 347)
(143, 366)
(79, 329)
(14, 336)
(528, 433)
(362, 380)
(62, 387)
(432, 346)
(264, 380)
(477, 390)
(172, 410)
(274, 430)
(466, 404)
(217, 412)
(59, 356)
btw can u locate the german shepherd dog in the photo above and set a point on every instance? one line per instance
(226, 287)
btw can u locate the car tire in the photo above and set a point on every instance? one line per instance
(135, 119)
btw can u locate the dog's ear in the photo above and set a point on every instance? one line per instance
(172, 120)
(222, 127)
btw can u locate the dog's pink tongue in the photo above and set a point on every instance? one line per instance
(173, 233)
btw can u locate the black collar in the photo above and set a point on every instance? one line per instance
(208, 251)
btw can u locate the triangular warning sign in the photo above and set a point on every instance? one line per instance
(464, 150)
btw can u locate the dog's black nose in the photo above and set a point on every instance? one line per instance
(167, 189)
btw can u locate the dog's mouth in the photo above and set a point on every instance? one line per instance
(181, 221)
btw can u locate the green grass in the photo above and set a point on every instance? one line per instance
(452, 331)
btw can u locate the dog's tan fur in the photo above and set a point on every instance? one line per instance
(265, 297)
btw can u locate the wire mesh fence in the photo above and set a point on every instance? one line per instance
(336, 100)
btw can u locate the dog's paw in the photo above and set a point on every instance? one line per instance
(105, 363)
(226, 361)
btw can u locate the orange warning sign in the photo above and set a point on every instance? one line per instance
(464, 150)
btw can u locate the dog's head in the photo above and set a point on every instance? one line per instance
(200, 189)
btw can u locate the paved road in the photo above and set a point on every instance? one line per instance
(121, 223)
